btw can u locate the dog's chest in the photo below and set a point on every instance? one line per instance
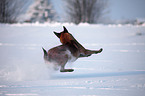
(71, 58)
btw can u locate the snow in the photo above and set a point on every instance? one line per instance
(118, 71)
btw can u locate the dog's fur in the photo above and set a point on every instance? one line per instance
(70, 50)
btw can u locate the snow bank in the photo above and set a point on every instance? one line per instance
(54, 24)
(118, 70)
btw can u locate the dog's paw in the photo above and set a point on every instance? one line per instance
(100, 50)
(67, 70)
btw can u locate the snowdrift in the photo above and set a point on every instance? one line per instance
(118, 71)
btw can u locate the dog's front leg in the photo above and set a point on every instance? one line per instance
(88, 53)
(97, 51)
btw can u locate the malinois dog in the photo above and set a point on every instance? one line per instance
(70, 50)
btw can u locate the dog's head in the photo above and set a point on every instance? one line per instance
(64, 36)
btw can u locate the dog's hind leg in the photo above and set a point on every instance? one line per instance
(62, 69)
(62, 62)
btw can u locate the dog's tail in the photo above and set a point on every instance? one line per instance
(45, 54)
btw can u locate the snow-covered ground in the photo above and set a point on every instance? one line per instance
(118, 71)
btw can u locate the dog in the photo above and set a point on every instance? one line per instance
(70, 50)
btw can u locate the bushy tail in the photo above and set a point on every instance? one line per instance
(45, 54)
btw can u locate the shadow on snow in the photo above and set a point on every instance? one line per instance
(93, 75)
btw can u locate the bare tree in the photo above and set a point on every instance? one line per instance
(10, 10)
(85, 10)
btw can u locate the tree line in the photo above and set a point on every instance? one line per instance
(77, 11)
(10, 10)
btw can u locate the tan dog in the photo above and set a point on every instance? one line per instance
(70, 50)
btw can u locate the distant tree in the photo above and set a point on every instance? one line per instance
(85, 10)
(41, 11)
(10, 10)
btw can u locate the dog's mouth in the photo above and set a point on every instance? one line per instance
(57, 34)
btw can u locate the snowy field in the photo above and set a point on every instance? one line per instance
(118, 71)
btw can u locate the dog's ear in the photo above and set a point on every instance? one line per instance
(65, 30)
(57, 34)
